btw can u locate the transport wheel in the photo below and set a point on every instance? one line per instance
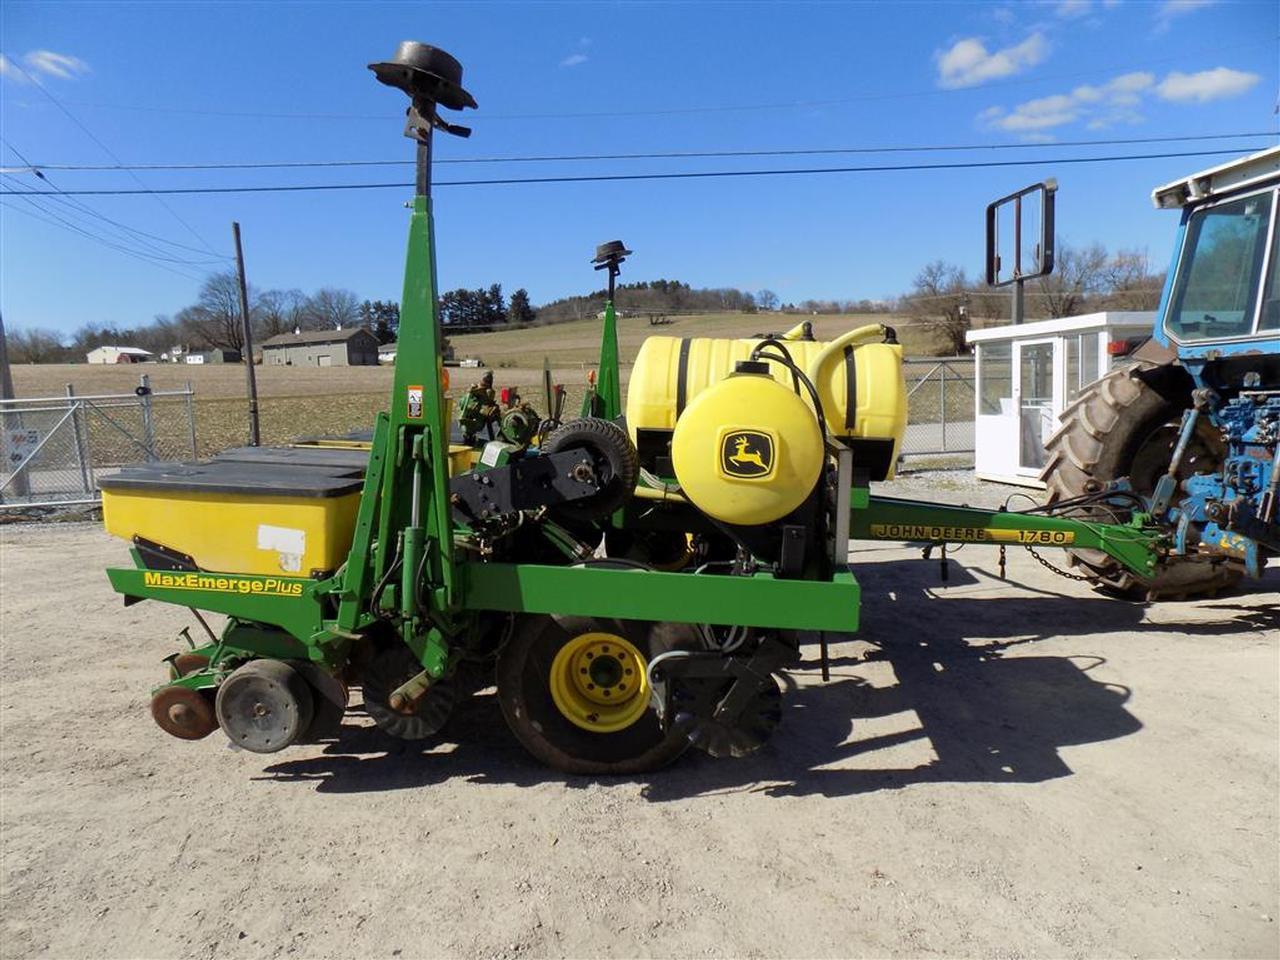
(264, 706)
(183, 713)
(1120, 427)
(576, 694)
(390, 667)
(617, 465)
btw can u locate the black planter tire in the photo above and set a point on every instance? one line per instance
(525, 694)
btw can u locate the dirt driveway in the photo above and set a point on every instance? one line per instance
(998, 769)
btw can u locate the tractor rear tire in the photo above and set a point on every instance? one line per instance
(536, 676)
(1120, 427)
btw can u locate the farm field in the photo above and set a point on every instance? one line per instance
(311, 401)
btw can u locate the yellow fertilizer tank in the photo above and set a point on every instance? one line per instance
(286, 515)
(670, 372)
(747, 450)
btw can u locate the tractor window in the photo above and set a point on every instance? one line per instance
(1217, 281)
(995, 375)
(1270, 319)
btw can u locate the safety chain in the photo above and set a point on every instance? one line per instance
(1058, 570)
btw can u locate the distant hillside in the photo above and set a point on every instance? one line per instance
(650, 296)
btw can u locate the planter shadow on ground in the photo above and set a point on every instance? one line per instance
(972, 700)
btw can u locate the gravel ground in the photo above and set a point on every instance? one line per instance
(1003, 769)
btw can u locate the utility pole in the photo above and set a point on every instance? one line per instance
(12, 419)
(6, 378)
(254, 437)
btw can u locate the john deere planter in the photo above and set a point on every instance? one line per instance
(631, 583)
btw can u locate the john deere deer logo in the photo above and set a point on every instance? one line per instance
(746, 454)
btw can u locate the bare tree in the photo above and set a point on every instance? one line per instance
(36, 345)
(279, 311)
(331, 308)
(214, 320)
(940, 302)
(1078, 274)
(1130, 283)
(767, 300)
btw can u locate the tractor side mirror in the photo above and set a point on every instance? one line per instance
(1020, 235)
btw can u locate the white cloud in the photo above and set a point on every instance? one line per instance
(1100, 106)
(1117, 101)
(1070, 9)
(969, 63)
(1177, 8)
(1170, 10)
(575, 59)
(1206, 85)
(61, 65)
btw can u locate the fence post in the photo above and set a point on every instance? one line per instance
(148, 425)
(191, 419)
(77, 429)
(942, 387)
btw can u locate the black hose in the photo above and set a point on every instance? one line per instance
(790, 362)
(796, 372)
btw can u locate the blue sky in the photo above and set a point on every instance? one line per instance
(190, 82)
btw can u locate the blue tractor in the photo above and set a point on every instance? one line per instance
(1190, 429)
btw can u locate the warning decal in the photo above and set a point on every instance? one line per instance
(415, 403)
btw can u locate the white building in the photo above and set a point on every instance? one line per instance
(1028, 374)
(108, 354)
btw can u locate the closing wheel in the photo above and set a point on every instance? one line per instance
(391, 667)
(264, 706)
(694, 704)
(575, 693)
(183, 713)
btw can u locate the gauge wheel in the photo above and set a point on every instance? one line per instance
(575, 692)
(264, 706)
(1120, 427)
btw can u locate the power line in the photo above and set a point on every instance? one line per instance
(617, 177)
(665, 155)
(54, 220)
(107, 150)
(139, 245)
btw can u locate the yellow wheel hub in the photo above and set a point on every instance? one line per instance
(600, 682)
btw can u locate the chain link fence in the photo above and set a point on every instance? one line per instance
(940, 404)
(55, 448)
